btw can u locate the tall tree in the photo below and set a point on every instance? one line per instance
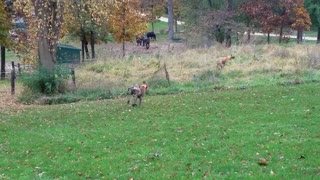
(170, 20)
(283, 11)
(203, 19)
(126, 21)
(230, 5)
(177, 7)
(5, 26)
(313, 7)
(85, 20)
(153, 9)
(258, 13)
(44, 19)
(50, 18)
(302, 20)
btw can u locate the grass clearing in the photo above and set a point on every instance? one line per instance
(206, 124)
(254, 65)
(214, 134)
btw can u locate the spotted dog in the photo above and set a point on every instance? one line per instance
(137, 92)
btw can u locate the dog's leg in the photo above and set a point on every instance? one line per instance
(219, 66)
(129, 96)
(134, 100)
(140, 99)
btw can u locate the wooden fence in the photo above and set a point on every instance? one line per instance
(15, 70)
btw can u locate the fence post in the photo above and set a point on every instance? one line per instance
(13, 77)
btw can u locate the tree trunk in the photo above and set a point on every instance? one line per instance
(176, 25)
(249, 35)
(123, 49)
(92, 45)
(318, 37)
(152, 16)
(170, 19)
(123, 42)
(208, 41)
(82, 49)
(237, 37)
(45, 57)
(229, 5)
(3, 62)
(299, 36)
(152, 26)
(85, 46)
(86, 49)
(210, 3)
(268, 38)
(280, 35)
(50, 17)
(228, 38)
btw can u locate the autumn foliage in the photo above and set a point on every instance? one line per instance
(5, 25)
(126, 20)
(270, 15)
(302, 18)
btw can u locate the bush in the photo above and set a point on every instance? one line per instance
(46, 82)
(28, 97)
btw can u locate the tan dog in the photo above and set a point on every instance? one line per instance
(221, 62)
(137, 92)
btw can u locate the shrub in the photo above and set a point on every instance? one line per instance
(28, 97)
(46, 82)
(313, 59)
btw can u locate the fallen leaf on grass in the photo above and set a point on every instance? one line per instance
(302, 157)
(206, 173)
(272, 172)
(263, 162)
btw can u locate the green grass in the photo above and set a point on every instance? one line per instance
(311, 33)
(159, 26)
(220, 134)
(11, 56)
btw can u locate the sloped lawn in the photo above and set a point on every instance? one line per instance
(215, 134)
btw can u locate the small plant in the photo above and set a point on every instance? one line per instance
(313, 59)
(46, 82)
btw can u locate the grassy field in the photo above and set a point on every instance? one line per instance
(206, 124)
(213, 134)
